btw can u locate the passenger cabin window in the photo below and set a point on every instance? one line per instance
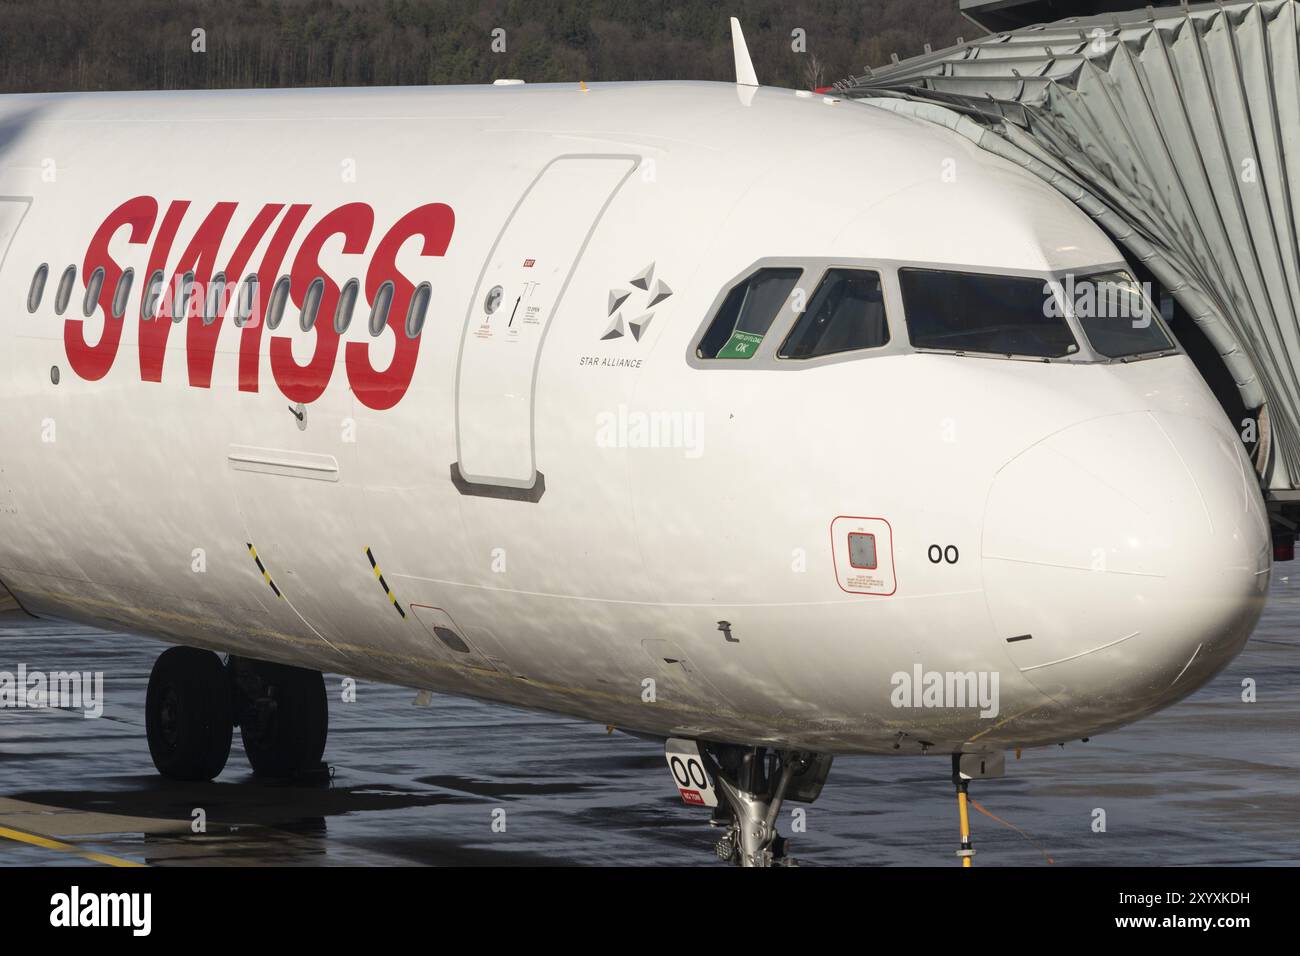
(214, 303)
(1117, 316)
(181, 297)
(1000, 315)
(94, 286)
(347, 303)
(379, 310)
(847, 313)
(746, 314)
(311, 304)
(152, 293)
(122, 292)
(37, 289)
(279, 299)
(418, 309)
(64, 291)
(246, 301)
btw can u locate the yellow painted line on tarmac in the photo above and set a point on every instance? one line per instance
(35, 839)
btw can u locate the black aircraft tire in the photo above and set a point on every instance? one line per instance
(288, 739)
(189, 714)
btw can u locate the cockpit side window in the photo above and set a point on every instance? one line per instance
(1117, 316)
(999, 315)
(746, 314)
(847, 313)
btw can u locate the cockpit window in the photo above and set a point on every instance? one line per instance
(1001, 315)
(746, 314)
(847, 312)
(1116, 315)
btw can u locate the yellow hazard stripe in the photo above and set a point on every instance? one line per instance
(35, 839)
(379, 576)
(266, 575)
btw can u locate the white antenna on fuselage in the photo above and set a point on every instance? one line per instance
(745, 75)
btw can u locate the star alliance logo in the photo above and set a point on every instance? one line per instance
(652, 292)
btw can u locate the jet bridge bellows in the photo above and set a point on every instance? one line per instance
(1178, 130)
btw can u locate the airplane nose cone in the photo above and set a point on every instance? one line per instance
(1126, 560)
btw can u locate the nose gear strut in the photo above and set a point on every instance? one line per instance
(754, 783)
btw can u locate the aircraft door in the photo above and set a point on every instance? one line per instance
(518, 295)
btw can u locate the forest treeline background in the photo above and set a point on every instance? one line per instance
(49, 45)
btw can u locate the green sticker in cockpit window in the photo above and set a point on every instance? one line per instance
(746, 314)
(741, 345)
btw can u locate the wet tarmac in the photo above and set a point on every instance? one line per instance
(1212, 780)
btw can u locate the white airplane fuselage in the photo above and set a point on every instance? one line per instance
(569, 511)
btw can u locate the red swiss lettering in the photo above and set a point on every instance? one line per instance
(306, 383)
(202, 332)
(382, 389)
(250, 343)
(92, 362)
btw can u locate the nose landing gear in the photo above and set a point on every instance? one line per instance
(753, 783)
(751, 838)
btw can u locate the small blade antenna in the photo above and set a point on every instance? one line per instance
(745, 75)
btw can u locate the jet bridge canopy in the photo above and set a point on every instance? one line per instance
(1178, 130)
(995, 15)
